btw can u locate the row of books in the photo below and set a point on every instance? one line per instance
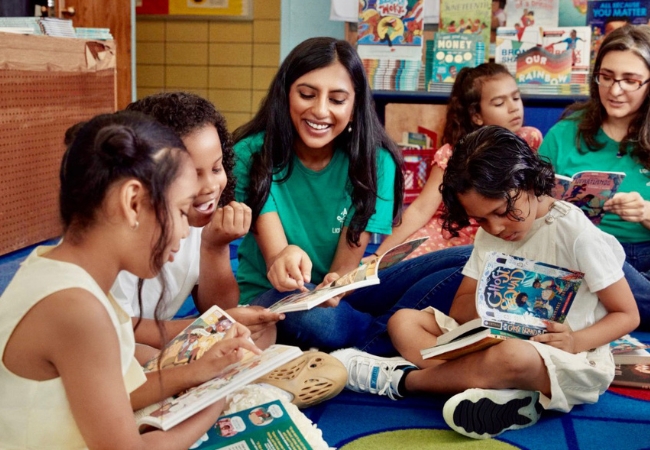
(51, 26)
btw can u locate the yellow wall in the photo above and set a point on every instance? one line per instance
(229, 62)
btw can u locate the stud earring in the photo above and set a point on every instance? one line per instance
(350, 127)
(135, 225)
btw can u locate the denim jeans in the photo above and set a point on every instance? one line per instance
(360, 318)
(637, 272)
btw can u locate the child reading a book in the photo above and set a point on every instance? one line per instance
(201, 267)
(610, 131)
(68, 374)
(320, 175)
(483, 95)
(495, 178)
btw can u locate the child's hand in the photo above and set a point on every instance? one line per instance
(630, 206)
(558, 335)
(329, 279)
(256, 318)
(224, 353)
(227, 224)
(290, 269)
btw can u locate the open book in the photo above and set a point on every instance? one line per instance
(267, 426)
(588, 190)
(514, 298)
(190, 345)
(365, 275)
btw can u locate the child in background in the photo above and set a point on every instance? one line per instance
(495, 178)
(68, 374)
(482, 95)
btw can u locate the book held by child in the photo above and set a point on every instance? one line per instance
(514, 299)
(366, 274)
(189, 345)
(588, 190)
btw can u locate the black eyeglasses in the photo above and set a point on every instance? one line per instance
(626, 84)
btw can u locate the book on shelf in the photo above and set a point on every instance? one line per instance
(415, 140)
(630, 350)
(588, 190)
(573, 40)
(603, 16)
(539, 66)
(528, 13)
(265, 426)
(453, 51)
(632, 375)
(367, 274)
(511, 41)
(189, 346)
(469, 17)
(515, 297)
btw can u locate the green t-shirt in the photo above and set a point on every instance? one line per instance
(313, 208)
(559, 146)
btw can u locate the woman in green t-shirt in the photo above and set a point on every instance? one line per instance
(611, 132)
(321, 175)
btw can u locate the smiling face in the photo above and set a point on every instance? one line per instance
(321, 105)
(204, 146)
(494, 217)
(500, 104)
(622, 106)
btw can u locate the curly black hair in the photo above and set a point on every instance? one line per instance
(497, 164)
(185, 113)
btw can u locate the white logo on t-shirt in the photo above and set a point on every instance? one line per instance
(341, 218)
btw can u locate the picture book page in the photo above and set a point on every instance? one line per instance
(590, 190)
(517, 295)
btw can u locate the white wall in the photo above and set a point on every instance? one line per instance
(302, 19)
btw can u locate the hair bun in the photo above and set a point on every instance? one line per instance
(117, 144)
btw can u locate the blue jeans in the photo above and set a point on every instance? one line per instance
(637, 272)
(360, 318)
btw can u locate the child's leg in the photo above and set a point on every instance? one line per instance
(512, 364)
(411, 330)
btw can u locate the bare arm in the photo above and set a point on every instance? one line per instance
(289, 267)
(147, 332)
(418, 213)
(622, 317)
(90, 371)
(217, 284)
(463, 308)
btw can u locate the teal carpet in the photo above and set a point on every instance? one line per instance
(351, 421)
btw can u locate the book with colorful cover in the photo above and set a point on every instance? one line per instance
(574, 40)
(630, 350)
(367, 274)
(390, 29)
(632, 375)
(452, 52)
(588, 190)
(265, 426)
(191, 343)
(539, 66)
(528, 13)
(511, 41)
(515, 297)
(604, 16)
(467, 17)
(173, 410)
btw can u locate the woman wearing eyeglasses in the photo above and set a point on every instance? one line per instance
(611, 132)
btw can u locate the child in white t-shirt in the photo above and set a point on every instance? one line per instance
(495, 178)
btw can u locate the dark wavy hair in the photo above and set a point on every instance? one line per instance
(591, 113)
(465, 99)
(360, 144)
(497, 164)
(186, 113)
(110, 148)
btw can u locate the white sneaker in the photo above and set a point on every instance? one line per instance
(372, 374)
(485, 413)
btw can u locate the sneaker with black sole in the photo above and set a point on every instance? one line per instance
(373, 374)
(485, 413)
